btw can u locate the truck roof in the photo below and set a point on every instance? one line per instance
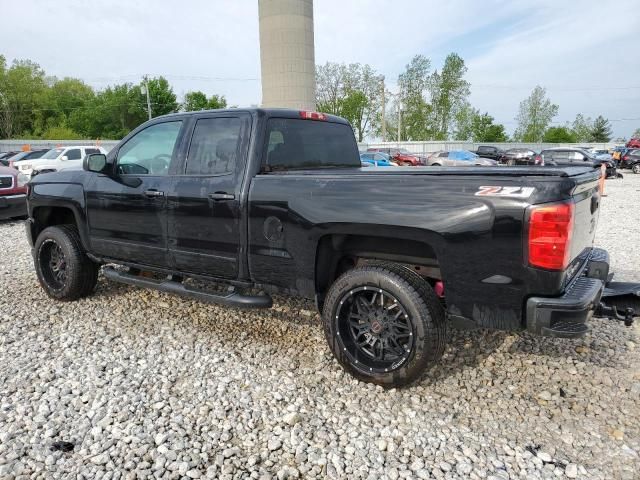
(266, 112)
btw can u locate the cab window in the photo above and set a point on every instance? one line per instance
(149, 152)
(214, 146)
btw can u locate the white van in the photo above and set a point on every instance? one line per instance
(57, 159)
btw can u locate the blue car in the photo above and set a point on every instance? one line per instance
(375, 159)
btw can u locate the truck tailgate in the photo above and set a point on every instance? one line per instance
(586, 195)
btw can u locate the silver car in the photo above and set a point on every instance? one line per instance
(458, 158)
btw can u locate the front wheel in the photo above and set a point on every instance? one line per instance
(636, 168)
(384, 324)
(62, 266)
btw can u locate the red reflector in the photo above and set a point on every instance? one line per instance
(550, 230)
(308, 115)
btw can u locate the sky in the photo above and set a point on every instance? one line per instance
(580, 50)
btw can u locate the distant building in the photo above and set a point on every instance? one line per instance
(287, 55)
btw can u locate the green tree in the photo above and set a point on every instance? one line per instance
(330, 87)
(484, 130)
(60, 133)
(636, 134)
(115, 111)
(559, 135)
(217, 101)
(351, 91)
(194, 101)
(197, 100)
(22, 87)
(581, 128)
(601, 130)
(534, 116)
(449, 92)
(60, 106)
(463, 122)
(414, 84)
(163, 100)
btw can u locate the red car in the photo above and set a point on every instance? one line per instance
(633, 143)
(13, 193)
(401, 156)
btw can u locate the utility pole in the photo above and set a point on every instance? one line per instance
(384, 121)
(148, 94)
(399, 118)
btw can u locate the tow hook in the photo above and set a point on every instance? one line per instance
(606, 311)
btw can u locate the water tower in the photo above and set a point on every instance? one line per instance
(287, 54)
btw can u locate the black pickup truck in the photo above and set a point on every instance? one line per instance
(272, 200)
(488, 151)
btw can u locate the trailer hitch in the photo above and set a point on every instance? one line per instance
(606, 311)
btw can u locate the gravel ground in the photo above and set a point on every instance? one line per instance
(148, 385)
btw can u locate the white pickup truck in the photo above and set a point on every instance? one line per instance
(56, 159)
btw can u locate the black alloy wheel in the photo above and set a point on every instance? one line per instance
(64, 270)
(374, 329)
(53, 264)
(384, 323)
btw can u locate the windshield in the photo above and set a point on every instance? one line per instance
(53, 153)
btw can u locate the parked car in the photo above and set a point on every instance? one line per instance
(572, 156)
(4, 158)
(488, 151)
(518, 156)
(376, 159)
(601, 154)
(275, 200)
(401, 156)
(56, 159)
(633, 143)
(12, 193)
(631, 160)
(26, 155)
(458, 158)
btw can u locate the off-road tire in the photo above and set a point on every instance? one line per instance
(81, 272)
(417, 298)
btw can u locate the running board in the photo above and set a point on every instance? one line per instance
(171, 286)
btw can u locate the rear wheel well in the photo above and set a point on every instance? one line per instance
(337, 254)
(44, 217)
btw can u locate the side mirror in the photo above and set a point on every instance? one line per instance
(95, 162)
(64, 158)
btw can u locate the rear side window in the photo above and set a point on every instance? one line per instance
(73, 154)
(302, 144)
(214, 146)
(89, 151)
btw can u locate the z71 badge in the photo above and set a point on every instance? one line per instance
(513, 192)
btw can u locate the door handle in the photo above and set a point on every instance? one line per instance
(222, 196)
(153, 193)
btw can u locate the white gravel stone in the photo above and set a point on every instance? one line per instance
(147, 385)
(571, 470)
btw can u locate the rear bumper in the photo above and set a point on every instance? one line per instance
(566, 316)
(13, 206)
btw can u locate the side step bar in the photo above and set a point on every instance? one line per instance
(233, 299)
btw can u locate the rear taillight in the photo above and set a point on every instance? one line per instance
(550, 230)
(538, 160)
(625, 158)
(308, 115)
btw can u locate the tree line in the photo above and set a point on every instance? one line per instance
(34, 105)
(429, 104)
(432, 104)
